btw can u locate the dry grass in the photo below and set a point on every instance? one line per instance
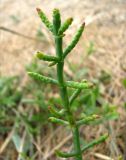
(105, 27)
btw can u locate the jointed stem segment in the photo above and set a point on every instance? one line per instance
(45, 57)
(76, 140)
(58, 31)
(84, 148)
(71, 84)
(45, 19)
(63, 88)
(60, 65)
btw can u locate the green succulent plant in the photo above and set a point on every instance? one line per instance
(69, 119)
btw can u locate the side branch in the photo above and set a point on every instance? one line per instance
(65, 26)
(42, 78)
(65, 155)
(75, 95)
(71, 84)
(45, 57)
(57, 120)
(55, 112)
(45, 19)
(79, 85)
(84, 148)
(95, 142)
(87, 120)
(74, 41)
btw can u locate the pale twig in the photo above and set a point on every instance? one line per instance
(48, 138)
(39, 151)
(8, 139)
(102, 157)
(18, 34)
(22, 146)
(113, 145)
(58, 146)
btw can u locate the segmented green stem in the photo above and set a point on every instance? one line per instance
(60, 65)
(58, 31)
(63, 88)
(84, 148)
(76, 140)
(65, 26)
(45, 57)
(45, 19)
(74, 41)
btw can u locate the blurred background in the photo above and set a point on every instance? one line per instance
(100, 57)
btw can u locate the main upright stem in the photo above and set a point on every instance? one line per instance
(63, 88)
(58, 31)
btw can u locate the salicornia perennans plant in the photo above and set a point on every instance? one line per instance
(58, 30)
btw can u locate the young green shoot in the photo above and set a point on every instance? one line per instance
(58, 31)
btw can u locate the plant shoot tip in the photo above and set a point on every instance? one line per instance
(55, 10)
(70, 19)
(38, 10)
(83, 24)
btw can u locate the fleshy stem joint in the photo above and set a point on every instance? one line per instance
(58, 30)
